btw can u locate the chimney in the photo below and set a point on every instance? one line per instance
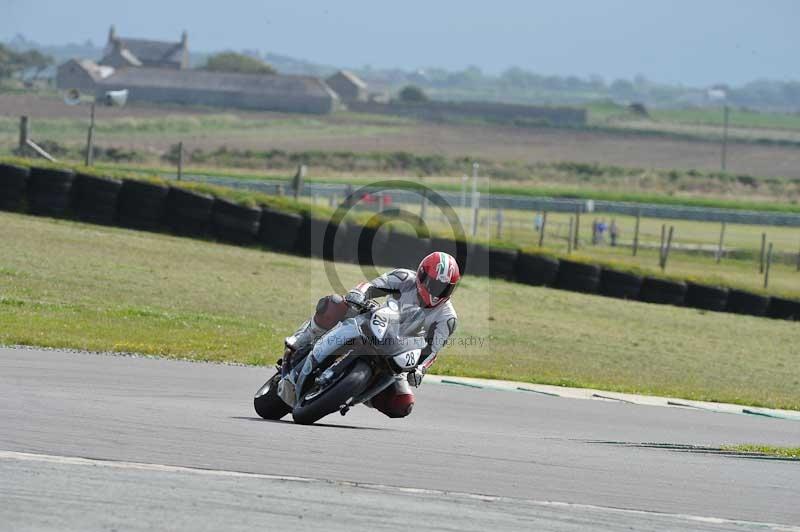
(112, 34)
(184, 38)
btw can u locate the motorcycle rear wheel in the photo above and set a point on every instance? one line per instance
(268, 405)
(329, 401)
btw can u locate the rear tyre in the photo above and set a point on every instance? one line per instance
(268, 405)
(309, 411)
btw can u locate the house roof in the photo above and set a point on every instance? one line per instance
(147, 51)
(97, 72)
(352, 78)
(219, 81)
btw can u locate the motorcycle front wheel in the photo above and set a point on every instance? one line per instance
(266, 401)
(317, 404)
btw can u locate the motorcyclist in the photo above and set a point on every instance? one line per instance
(428, 288)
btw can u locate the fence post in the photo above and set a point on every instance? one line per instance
(636, 232)
(721, 242)
(382, 203)
(667, 248)
(90, 138)
(475, 199)
(769, 263)
(544, 225)
(180, 160)
(569, 236)
(577, 225)
(661, 246)
(24, 135)
(798, 261)
(499, 224)
(763, 249)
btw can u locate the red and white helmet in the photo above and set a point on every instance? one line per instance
(437, 277)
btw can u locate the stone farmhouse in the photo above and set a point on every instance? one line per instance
(158, 72)
(123, 52)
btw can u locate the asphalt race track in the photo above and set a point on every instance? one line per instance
(93, 442)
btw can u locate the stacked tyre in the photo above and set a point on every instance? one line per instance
(783, 309)
(96, 198)
(578, 277)
(189, 212)
(477, 260)
(743, 302)
(50, 191)
(704, 297)
(13, 182)
(663, 291)
(141, 205)
(311, 240)
(235, 223)
(279, 230)
(619, 284)
(404, 250)
(535, 269)
(502, 263)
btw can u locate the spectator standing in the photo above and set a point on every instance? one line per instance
(613, 232)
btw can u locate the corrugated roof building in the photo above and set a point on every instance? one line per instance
(294, 94)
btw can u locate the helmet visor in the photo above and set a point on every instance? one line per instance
(439, 289)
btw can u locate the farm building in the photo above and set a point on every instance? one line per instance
(81, 74)
(293, 94)
(348, 86)
(123, 52)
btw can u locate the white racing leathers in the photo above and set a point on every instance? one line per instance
(435, 324)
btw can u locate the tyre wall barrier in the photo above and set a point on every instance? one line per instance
(783, 309)
(403, 250)
(279, 230)
(578, 276)
(189, 212)
(13, 185)
(502, 263)
(141, 205)
(662, 291)
(620, 285)
(144, 205)
(50, 191)
(311, 238)
(235, 223)
(704, 297)
(743, 302)
(536, 270)
(95, 198)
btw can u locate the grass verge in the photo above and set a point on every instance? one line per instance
(65, 284)
(769, 450)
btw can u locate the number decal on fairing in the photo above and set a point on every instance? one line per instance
(379, 324)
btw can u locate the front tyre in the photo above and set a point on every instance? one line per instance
(266, 401)
(315, 404)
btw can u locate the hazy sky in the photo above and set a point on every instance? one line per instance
(696, 42)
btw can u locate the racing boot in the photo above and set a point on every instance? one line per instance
(306, 335)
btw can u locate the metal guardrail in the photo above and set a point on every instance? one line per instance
(508, 201)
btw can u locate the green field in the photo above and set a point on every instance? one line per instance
(66, 284)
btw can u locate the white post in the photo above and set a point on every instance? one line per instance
(464, 180)
(475, 199)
